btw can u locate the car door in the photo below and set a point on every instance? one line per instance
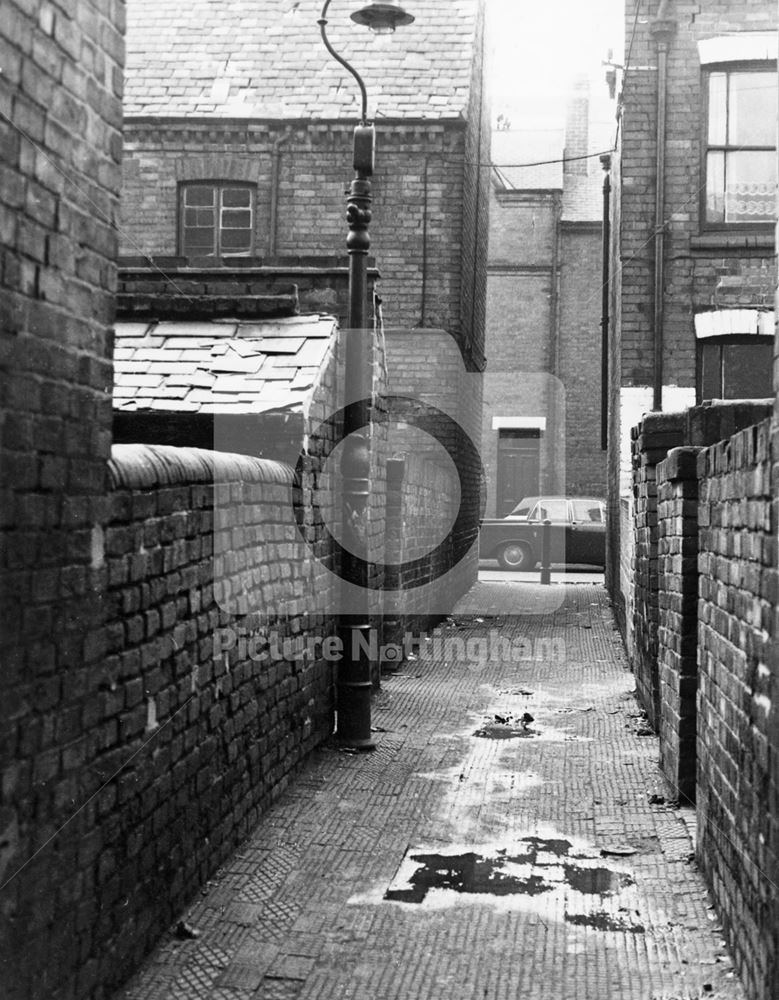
(587, 535)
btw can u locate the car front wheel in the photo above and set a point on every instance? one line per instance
(515, 556)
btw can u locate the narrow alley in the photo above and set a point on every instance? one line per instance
(511, 836)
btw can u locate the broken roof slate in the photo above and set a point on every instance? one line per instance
(265, 59)
(242, 373)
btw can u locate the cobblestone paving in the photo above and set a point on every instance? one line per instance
(551, 873)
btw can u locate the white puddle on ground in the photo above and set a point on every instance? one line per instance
(556, 876)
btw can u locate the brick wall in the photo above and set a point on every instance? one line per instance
(60, 146)
(579, 353)
(677, 554)
(193, 716)
(738, 741)
(652, 439)
(716, 582)
(444, 400)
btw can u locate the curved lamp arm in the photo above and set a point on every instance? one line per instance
(322, 22)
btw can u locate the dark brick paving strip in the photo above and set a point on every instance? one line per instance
(299, 912)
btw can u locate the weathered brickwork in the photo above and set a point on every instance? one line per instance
(418, 233)
(196, 712)
(677, 553)
(60, 147)
(579, 353)
(442, 399)
(738, 741)
(714, 605)
(704, 269)
(652, 440)
(167, 288)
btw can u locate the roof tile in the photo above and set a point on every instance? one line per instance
(219, 372)
(265, 59)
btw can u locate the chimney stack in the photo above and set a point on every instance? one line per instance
(577, 128)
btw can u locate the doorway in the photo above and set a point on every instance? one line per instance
(519, 467)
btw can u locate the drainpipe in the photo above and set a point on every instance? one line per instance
(425, 199)
(275, 172)
(662, 30)
(605, 303)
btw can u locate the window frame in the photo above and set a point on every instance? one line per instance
(730, 340)
(219, 186)
(767, 66)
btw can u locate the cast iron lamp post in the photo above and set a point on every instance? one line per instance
(354, 669)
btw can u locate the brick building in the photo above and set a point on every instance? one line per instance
(692, 544)
(542, 406)
(251, 120)
(693, 255)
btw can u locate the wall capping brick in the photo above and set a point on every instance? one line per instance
(146, 466)
(682, 463)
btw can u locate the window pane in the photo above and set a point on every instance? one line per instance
(199, 195)
(752, 109)
(198, 241)
(236, 197)
(236, 240)
(715, 187)
(236, 219)
(747, 370)
(199, 217)
(717, 109)
(750, 186)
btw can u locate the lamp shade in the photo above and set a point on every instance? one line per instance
(382, 18)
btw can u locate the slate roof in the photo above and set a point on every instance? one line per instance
(265, 59)
(223, 366)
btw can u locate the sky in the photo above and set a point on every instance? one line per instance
(536, 46)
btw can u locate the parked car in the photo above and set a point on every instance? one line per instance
(578, 532)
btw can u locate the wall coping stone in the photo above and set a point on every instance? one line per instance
(681, 463)
(718, 419)
(146, 466)
(658, 421)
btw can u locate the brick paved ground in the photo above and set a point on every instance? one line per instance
(300, 911)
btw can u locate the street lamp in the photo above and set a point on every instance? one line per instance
(354, 673)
